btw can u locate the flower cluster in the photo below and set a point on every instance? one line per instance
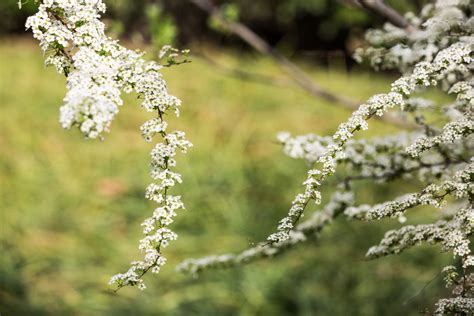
(98, 70)
(434, 194)
(453, 233)
(430, 32)
(379, 158)
(452, 132)
(457, 305)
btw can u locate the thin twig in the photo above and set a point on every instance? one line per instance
(422, 289)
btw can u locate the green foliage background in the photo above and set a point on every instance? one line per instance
(71, 209)
(293, 24)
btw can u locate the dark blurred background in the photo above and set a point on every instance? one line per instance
(71, 209)
(297, 26)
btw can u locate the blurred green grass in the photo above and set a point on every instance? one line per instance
(72, 208)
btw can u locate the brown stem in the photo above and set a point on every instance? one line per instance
(380, 8)
(259, 44)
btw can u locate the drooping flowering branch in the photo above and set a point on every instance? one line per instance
(98, 70)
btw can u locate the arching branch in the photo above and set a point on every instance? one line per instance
(259, 44)
(380, 8)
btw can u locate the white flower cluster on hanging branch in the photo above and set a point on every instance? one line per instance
(437, 52)
(98, 70)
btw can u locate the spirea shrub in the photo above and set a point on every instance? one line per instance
(435, 52)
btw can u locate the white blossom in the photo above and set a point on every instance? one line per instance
(455, 305)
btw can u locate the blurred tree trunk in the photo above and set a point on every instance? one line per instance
(190, 21)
